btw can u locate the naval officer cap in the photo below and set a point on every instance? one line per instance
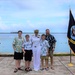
(36, 31)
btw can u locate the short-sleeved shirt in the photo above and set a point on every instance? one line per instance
(51, 40)
(27, 45)
(44, 47)
(17, 43)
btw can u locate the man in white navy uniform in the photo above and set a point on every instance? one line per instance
(36, 48)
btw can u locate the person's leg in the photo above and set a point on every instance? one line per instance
(16, 66)
(26, 60)
(34, 58)
(42, 62)
(26, 64)
(29, 69)
(16, 59)
(29, 59)
(46, 62)
(52, 63)
(19, 63)
(51, 57)
(38, 59)
(29, 63)
(20, 55)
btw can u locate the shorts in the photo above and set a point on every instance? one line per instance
(18, 56)
(50, 52)
(44, 57)
(28, 55)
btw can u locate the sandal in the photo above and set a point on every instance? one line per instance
(52, 68)
(47, 68)
(26, 69)
(42, 69)
(15, 70)
(29, 69)
(20, 69)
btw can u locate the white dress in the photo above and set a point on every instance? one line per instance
(36, 48)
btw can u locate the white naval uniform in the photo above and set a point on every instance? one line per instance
(36, 48)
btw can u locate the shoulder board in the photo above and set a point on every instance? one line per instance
(38, 35)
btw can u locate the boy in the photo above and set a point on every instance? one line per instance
(44, 52)
(18, 54)
(27, 49)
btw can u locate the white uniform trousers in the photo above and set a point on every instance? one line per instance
(36, 58)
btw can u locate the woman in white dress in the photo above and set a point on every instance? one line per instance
(36, 48)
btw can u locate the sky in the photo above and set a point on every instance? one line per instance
(28, 15)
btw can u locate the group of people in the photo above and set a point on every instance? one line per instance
(40, 47)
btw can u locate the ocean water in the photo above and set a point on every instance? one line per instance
(6, 41)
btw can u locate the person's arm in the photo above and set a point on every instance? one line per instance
(23, 40)
(31, 40)
(47, 51)
(23, 48)
(14, 44)
(54, 44)
(48, 46)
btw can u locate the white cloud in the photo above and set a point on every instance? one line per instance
(39, 14)
(30, 4)
(30, 27)
(2, 25)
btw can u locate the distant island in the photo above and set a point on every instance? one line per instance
(13, 32)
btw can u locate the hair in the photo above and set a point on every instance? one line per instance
(43, 35)
(26, 35)
(47, 29)
(19, 31)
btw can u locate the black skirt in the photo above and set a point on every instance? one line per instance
(18, 56)
(28, 55)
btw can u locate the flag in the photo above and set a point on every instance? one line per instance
(71, 32)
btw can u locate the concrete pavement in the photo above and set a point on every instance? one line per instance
(60, 67)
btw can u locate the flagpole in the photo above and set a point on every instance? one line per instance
(70, 64)
(70, 57)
